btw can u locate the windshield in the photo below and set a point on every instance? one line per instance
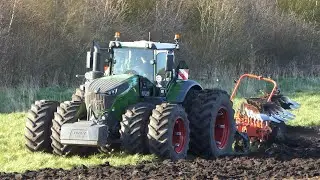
(134, 61)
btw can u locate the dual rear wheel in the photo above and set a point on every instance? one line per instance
(209, 127)
(212, 124)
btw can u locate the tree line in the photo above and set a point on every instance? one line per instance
(45, 41)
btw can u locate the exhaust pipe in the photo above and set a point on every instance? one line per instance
(97, 63)
(94, 61)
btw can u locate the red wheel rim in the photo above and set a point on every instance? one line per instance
(178, 135)
(221, 128)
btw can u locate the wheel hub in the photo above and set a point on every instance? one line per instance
(179, 135)
(221, 128)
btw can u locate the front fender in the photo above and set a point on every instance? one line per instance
(179, 90)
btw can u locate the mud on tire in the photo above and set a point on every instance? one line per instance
(212, 124)
(38, 124)
(134, 128)
(168, 131)
(67, 112)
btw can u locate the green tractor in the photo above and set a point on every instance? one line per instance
(136, 97)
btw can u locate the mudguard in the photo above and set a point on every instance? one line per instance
(179, 90)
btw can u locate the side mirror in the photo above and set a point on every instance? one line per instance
(170, 63)
(89, 60)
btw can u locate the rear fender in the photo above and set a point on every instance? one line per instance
(179, 90)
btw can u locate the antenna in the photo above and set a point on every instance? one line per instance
(149, 36)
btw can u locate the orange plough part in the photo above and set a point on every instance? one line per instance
(255, 116)
(253, 127)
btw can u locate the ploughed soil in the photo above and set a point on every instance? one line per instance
(297, 158)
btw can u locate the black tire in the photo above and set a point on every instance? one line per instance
(208, 104)
(278, 133)
(78, 95)
(188, 101)
(112, 143)
(67, 112)
(164, 121)
(109, 148)
(134, 128)
(38, 124)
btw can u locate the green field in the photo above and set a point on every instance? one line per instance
(15, 157)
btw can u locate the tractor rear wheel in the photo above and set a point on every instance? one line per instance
(78, 95)
(212, 124)
(187, 103)
(134, 128)
(67, 112)
(38, 124)
(168, 131)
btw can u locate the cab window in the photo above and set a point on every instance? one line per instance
(161, 63)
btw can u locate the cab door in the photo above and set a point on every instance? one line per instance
(161, 62)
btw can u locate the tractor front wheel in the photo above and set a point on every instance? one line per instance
(67, 112)
(134, 128)
(38, 124)
(168, 131)
(212, 124)
(78, 95)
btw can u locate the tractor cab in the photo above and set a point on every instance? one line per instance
(151, 60)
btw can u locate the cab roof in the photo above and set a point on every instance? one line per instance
(144, 44)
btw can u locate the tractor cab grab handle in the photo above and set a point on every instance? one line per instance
(258, 78)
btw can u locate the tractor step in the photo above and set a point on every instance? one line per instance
(84, 133)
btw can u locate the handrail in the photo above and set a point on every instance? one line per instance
(258, 78)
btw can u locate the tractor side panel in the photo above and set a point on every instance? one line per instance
(125, 99)
(178, 91)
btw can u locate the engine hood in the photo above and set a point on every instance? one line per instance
(102, 94)
(119, 83)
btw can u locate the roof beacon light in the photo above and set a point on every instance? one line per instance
(117, 35)
(176, 37)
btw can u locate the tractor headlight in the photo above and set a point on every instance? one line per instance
(112, 44)
(112, 91)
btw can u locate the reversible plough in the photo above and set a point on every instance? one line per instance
(263, 119)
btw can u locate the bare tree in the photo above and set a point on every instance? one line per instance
(46, 40)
